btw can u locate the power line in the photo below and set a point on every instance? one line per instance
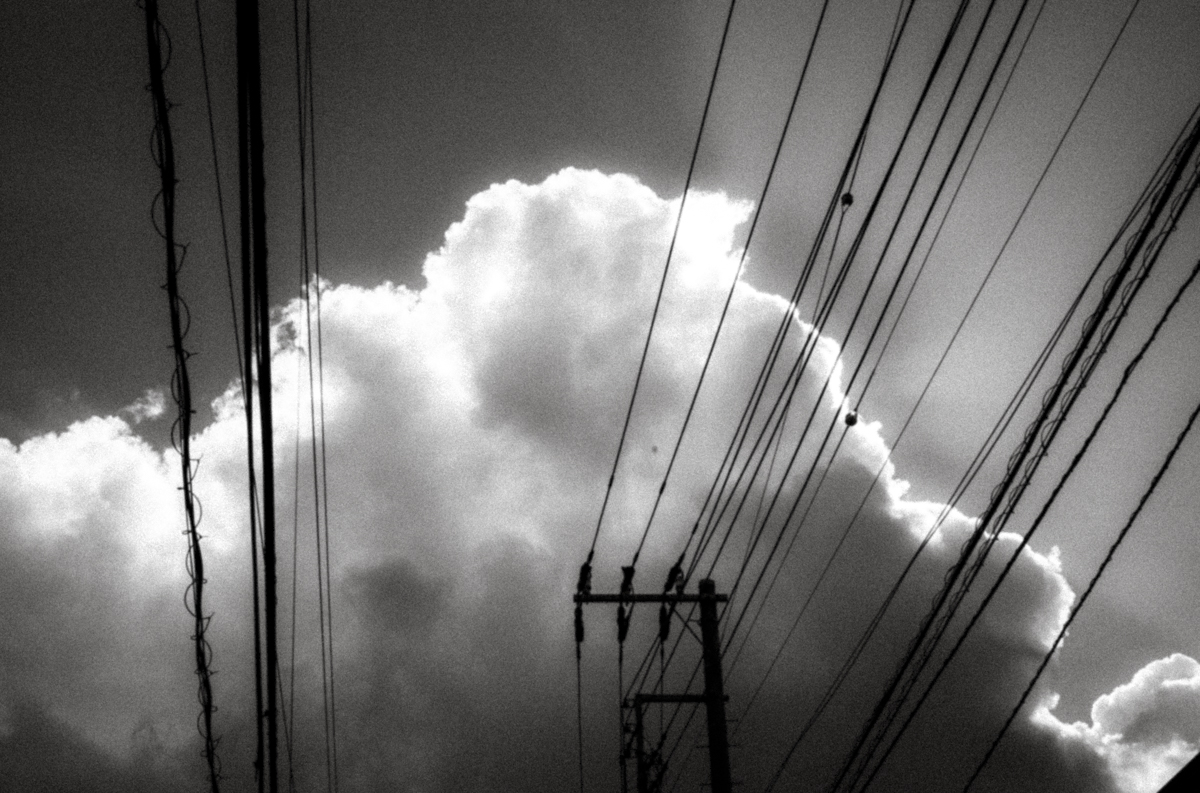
(834, 422)
(663, 281)
(1166, 464)
(1125, 377)
(256, 307)
(181, 429)
(1045, 426)
(736, 277)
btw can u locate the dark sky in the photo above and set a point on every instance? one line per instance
(491, 278)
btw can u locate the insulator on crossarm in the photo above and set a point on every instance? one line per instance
(579, 623)
(585, 577)
(673, 576)
(664, 623)
(627, 580)
(622, 624)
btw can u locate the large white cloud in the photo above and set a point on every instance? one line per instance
(470, 429)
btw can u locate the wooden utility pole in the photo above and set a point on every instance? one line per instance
(714, 688)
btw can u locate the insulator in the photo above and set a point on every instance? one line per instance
(627, 580)
(622, 624)
(664, 623)
(851, 418)
(585, 578)
(673, 576)
(578, 623)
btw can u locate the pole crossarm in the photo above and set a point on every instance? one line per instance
(634, 598)
(643, 699)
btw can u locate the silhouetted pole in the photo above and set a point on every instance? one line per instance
(714, 690)
(714, 687)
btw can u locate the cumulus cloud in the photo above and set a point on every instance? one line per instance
(1146, 729)
(470, 427)
(148, 406)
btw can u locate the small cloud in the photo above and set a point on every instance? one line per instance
(1146, 729)
(147, 407)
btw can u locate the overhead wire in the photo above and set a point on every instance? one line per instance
(319, 284)
(736, 277)
(759, 388)
(802, 360)
(1024, 458)
(663, 281)
(1116, 544)
(1126, 375)
(316, 436)
(256, 316)
(907, 260)
(985, 450)
(584, 585)
(675, 573)
(164, 156)
(887, 341)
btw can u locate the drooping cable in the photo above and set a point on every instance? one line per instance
(181, 429)
(1166, 464)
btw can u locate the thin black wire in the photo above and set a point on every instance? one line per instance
(306, 286)
(663, 282)
(291, 694)
(1137, 208)
(249, 335)
(736, 277)
(985, 451)
(807, 480)
(1166, 464)
(759, 389)
(579, 707)
(156, 36)
(953, 159)
(949, 168)
(837, 286)
(1130, 368)
(974, 300)
(212, 137)
(312, 145)
(1044, 425)
(257, 302)
(1150, 258)
(900, 314)
(768, 365)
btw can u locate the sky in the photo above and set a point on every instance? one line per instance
(497, 190)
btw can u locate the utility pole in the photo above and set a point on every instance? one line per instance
(714, 688)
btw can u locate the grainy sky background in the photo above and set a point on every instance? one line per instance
(475, 394)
